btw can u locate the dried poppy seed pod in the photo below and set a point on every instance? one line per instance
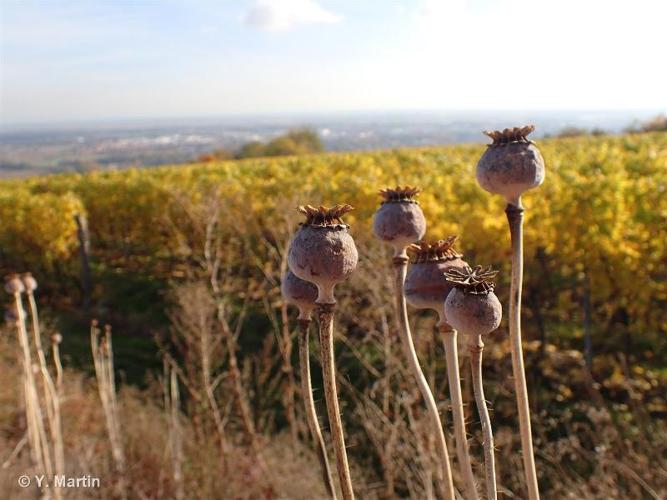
(13, 284)
(322, 251)
(299, 293)
(511, 165)
(399, 221)
(472, 307)
(29, 282)
(425, 285)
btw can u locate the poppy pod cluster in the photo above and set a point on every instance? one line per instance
(322, 254)
(400, 222)
(426, 287)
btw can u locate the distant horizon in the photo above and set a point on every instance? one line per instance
(282, 116)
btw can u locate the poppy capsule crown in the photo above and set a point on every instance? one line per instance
(511, 164)
(472, 306)
(299, 293)
(425, 283)
(441, 250)
(322, 251)
(399, 221)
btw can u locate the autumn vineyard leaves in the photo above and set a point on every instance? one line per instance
(598, 224)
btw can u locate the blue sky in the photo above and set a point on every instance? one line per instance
(102, 59)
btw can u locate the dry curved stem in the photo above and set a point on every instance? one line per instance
(454, 378)
(444, 474)
(309, 407)
(51, 396)
(172, 403)
(515, 219)
(102, 351)
(476, 350)
(325, 313)
(55, 348)
(39, 443)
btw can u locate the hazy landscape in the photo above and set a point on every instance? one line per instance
(31, 150)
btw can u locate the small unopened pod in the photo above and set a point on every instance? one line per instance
(322, 250)
(425, 284)
(471, 306)
(13, 284)
(29, 282)
(399, 221)
(511, 165)
(299, 293)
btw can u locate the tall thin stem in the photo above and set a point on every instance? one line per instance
(515, 219)
(59, 366)
(476, 350)
(309, 406)
(33, 407)
(51, 396)
(325, 312)
(454, 378)
(445, 482)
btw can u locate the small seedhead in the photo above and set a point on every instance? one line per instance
(300, 293)
(472, 307)
(29, 282)
(13, 284)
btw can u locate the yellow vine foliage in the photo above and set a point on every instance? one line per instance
(599, 220)
(37, 227)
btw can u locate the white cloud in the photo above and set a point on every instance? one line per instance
(597, 54)
(281, 15)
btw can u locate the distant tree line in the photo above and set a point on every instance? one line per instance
(655, 124)
(294, 142)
